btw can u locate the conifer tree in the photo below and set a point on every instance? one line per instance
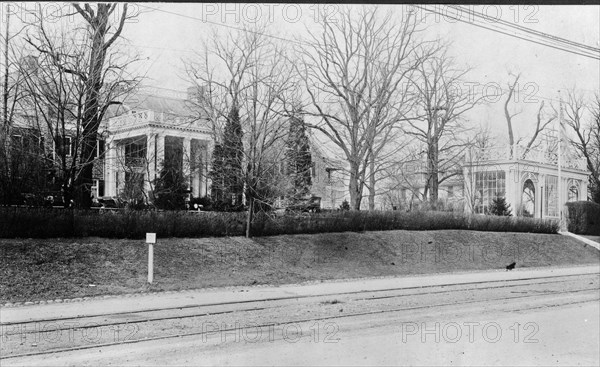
(216, 174)
(299, 160)
(227, 181)
(500, 207)
(170, 187)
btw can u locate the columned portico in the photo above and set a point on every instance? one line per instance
(149, 137)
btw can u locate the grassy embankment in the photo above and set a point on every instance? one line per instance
(47, 269)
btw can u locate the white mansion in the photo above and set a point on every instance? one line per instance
(152, 126)
(157, 125)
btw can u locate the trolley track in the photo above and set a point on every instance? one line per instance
(374, 297)
(480, 285)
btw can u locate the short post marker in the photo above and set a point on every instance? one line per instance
(150, 240)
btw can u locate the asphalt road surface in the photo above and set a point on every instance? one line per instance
(532, 318)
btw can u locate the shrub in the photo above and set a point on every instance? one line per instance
(500, 207)
(45, 223)
(583, 217)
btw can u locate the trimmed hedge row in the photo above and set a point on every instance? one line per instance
(394, 220)
(583, 217)
(50, 223)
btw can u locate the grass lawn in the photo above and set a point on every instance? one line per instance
(36, 269)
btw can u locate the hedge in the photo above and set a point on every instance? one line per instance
(583, 217)
(49, 223)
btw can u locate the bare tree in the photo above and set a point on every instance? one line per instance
(248, 71)
(21, 164)
(439, 123)
(541, 121)
(587, 136)
(77, 75)
(356, 70)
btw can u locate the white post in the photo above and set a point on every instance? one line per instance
(560, 203)
(150, 240)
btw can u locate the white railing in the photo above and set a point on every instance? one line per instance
(131, 119)
(519, 152)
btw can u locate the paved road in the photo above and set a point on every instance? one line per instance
(549, 317)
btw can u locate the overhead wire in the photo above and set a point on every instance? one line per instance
(498, 30)
(551, 38)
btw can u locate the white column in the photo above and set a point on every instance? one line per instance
(119, 169)
(159, 157)
(187, 158)
(509, 187)
(540, 197)
(197, 167)
(206, 167)
(110, 167)
(150, 174)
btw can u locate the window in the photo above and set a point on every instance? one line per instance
(135, 153)
(488, 185)
(134, 186)
(98, 188)
(64, 145)
(573, 194)
(68, 146)
(17, 140)
(99, 151)
(551, 196)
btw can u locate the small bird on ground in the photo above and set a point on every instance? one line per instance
(511, 266)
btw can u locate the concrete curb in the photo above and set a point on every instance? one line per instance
(126, 295)
(587, 241)
(239, 288)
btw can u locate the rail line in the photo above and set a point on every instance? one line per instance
(287, 298)
(313, 319)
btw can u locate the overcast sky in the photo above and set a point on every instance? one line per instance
(164, 33)
(173, 31)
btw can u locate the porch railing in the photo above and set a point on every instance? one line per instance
(519, 152)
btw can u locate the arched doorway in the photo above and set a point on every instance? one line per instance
(528, 199)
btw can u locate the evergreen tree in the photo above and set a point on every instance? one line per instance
(217, 175)
(500, 207)
(226, 173)
(170, 187)
(299, 160)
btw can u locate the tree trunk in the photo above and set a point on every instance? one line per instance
(90, 112)
(249, 217)
(434, 174)
(354, 187)
(5, 118)
(372, 182)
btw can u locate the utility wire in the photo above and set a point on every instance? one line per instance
(488, 27)
(532, 31)
(491, 28)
